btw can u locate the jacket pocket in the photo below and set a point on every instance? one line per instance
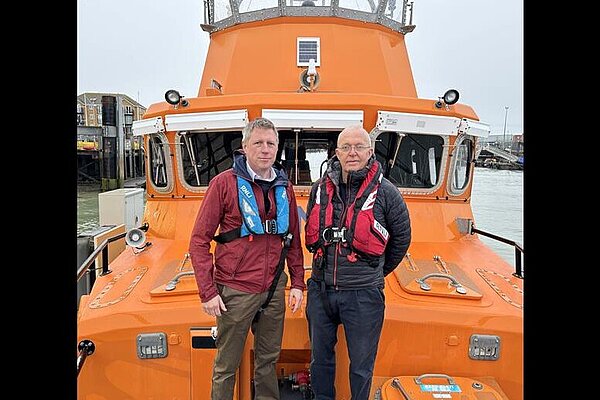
(240, 260)
(229, 256)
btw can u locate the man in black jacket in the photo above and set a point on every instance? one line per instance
(358, 228)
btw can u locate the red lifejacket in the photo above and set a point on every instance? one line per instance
(361, 231)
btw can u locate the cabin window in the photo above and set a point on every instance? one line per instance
(221, 10)
(253, 5)
(410, 160)
(304, 154)
(315, 3)
(394, 11)
(366, 6)
(160, 167)
(204, 155)
(462, 162)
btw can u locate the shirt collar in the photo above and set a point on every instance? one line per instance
(254, 175)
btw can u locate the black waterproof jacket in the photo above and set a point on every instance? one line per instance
(389, 210)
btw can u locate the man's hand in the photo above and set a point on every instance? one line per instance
(295, 299)
(214, 306)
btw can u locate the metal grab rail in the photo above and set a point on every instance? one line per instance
(172, 284)
(518, 249)
(85, 266)
(419, 379)
(467, 226)
(453, 282)
(92, 257)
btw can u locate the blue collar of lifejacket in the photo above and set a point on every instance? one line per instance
(251, 221)
(252, 224)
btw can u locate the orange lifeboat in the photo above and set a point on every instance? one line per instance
(454, 308)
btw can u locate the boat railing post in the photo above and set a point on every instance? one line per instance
(519, 272)
(92, 275)
(105, 261)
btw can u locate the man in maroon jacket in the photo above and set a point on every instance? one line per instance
(254, 206)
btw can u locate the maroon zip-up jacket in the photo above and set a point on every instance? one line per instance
(244, 264)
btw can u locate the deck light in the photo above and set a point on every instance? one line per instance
(173, 97)
(449, 98)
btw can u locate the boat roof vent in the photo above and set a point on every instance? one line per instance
(307, 48)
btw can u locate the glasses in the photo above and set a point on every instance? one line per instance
(359, 148)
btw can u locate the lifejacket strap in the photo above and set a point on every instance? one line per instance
(235, 233)
(228, 236)
(287, 241)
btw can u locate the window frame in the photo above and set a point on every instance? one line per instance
(299, 135)
(375, 134)
(167, 162)
(452, 190)
(179, 154)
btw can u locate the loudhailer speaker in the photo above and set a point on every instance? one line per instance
(135, 238)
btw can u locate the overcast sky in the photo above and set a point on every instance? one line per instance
(474, 46)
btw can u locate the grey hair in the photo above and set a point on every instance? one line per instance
(260, 123)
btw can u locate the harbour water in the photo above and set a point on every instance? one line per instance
(496, 199)
(87, 207)
(497, 203)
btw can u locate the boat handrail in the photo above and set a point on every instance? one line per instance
(518, 249)
(103, 247)
(453, 282)
(222, 15)
(172, 284)
(468, 226)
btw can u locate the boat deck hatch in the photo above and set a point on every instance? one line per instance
(435, 277)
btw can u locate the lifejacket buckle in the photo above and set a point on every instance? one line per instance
(334, 234)
(271, 226)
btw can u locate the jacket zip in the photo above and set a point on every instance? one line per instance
(341, 224)
(264, 218)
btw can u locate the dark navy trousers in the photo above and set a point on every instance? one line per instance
(360, 311)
